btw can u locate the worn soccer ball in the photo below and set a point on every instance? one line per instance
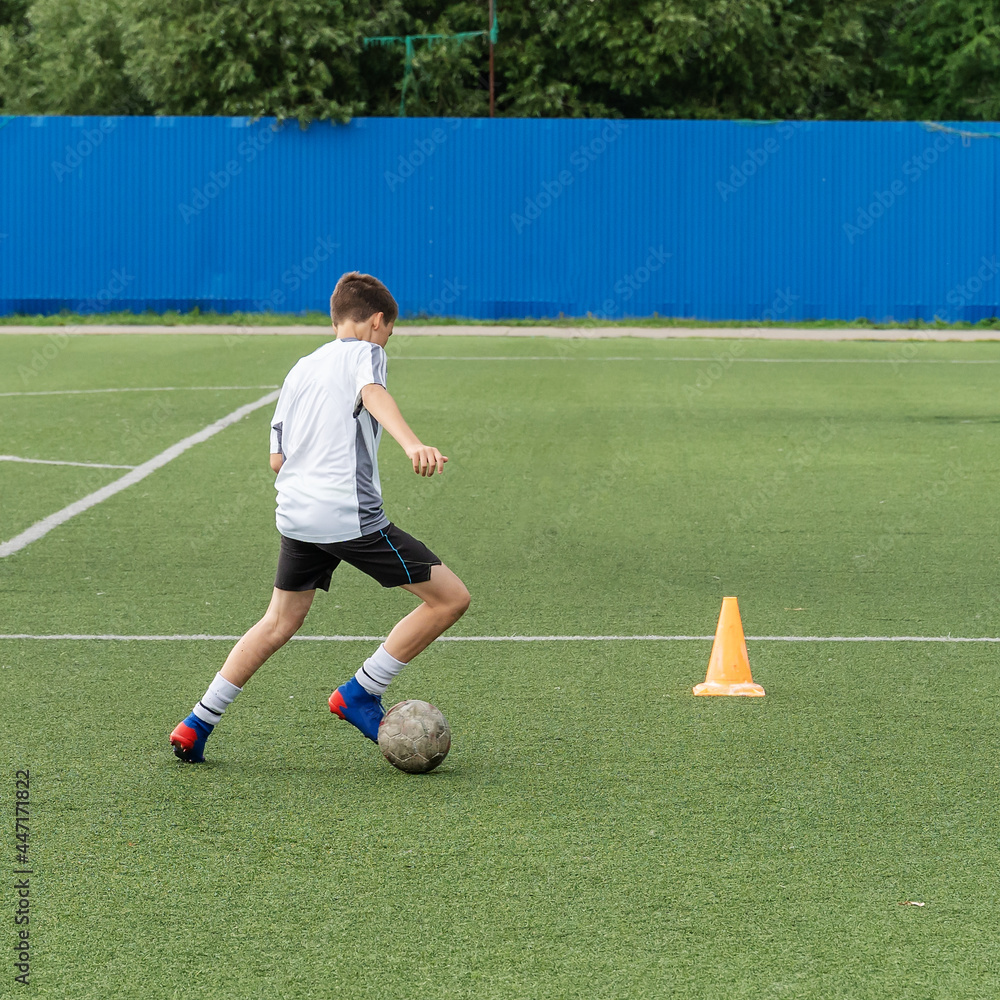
(414, 736)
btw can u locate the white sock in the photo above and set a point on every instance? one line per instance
(216, 699)
(378, 671)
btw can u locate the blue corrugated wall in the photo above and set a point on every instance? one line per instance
(503, 218)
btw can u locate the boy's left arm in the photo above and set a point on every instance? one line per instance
(380, 404)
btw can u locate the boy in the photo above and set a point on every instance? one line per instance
(324, 442)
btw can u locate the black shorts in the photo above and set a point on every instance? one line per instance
(390, 556)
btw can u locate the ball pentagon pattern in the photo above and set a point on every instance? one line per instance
(414, 736)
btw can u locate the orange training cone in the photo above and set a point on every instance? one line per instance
(729, 665)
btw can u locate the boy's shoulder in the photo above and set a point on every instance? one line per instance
(341, 354)
(343, 346)
(325, 354)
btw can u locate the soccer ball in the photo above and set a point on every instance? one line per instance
(414, 736)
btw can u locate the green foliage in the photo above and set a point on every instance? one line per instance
(288, 58)
(943, 61)
(571, 58)
(445, 80)
(297, 58)
(67, 59)
(449, 77)
(14, 29)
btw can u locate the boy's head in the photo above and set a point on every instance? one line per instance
(358, 297)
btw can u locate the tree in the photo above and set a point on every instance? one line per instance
(64, 57)
(288, 58)
(309, 59)
(447, 77)
(942, 61)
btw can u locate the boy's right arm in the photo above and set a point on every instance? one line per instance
(277, 459)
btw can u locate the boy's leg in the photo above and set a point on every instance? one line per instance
(444, 600)
(283, 618)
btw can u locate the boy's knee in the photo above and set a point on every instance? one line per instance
(461, 600)
(283, 627)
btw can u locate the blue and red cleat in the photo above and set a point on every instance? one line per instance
(188, 739)
(355, 705)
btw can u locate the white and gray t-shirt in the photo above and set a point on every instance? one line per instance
(328, 486)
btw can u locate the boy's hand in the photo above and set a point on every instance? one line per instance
(426, 460)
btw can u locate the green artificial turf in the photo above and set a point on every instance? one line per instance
(596, 831)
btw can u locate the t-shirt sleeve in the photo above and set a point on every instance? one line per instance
(277, 424)
(370, 370)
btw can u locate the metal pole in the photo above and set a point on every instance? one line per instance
(490, 29)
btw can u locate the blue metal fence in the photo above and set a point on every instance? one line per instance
(502, 218)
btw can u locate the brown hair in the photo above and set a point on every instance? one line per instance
(359, 296)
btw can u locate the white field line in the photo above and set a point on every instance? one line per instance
(534, 357)
(201, 637)
(728, 360)
(161, 388)
(43, 527)
(51, 461)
